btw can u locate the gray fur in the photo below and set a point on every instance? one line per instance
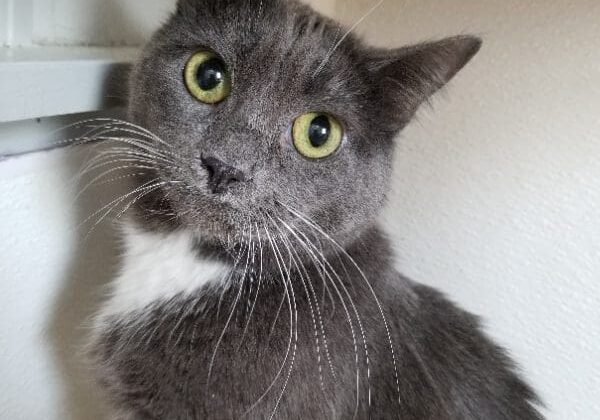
(305, 229)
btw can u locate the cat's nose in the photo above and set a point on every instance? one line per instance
(221, 176)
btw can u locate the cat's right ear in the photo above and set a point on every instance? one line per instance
(408, 76)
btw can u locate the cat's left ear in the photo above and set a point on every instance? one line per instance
(408, 76)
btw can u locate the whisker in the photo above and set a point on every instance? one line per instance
(114, 203)
(310, 285)
(295, 323)
(234, 305)
(364, 277)
(343, 38)
(318, 262)
(291, 337)
(258, 285)
(305, 279)
(139, 197)
(109, 124)
(110, 171)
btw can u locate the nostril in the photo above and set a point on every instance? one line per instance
(209, 168)
(236, 176)
(220, 174)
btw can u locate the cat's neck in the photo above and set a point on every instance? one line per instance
(159, 266)
(362, 246)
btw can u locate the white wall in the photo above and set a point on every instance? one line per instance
(496, 197)
(51, 280)
(497, 187)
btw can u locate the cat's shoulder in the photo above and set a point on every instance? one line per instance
(456, 351)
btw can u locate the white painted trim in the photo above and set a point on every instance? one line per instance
(20, 137)
(16, 22)
(39, 82)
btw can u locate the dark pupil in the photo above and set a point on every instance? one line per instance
(211, 74)
(319, 131)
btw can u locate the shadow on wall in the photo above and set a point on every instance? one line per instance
(93, 266)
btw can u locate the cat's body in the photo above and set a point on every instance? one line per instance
(256, 282)
(157, 358)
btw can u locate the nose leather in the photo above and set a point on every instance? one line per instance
(221, 176)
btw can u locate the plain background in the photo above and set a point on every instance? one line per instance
(496, 196)
(497, 186)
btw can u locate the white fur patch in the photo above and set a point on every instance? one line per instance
(157, 267)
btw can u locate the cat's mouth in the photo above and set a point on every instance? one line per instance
(220, 203)
(231, 221)
(212, 209)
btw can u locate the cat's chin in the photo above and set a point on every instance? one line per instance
(228, 223)
(170, 211)
(240, 230)
(223, 225)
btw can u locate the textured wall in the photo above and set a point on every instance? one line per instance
(497, 188)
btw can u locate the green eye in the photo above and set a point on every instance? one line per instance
(207, 77)
(317, 135)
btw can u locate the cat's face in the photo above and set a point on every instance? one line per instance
(268, 111)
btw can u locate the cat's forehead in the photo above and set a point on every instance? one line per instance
(284, 57)
(284, 35)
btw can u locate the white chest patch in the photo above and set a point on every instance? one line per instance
(157, 267)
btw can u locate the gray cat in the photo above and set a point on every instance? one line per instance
(256, 282)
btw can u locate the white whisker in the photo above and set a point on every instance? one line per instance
(322, 263)
(343, 38)
(364, 277)
(291, 336)
(230, 317)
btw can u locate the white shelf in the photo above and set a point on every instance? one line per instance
(19, 137)
(39, 82)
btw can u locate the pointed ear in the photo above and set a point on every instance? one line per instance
(408, 76)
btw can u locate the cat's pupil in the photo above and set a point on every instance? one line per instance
(211, 74)
(319, 131)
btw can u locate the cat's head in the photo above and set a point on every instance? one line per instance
(269, 112)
